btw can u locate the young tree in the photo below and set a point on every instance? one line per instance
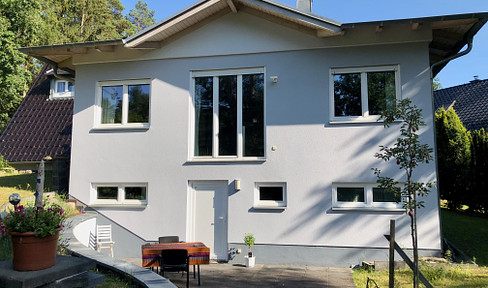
(140, 16)
(478, 196)
(436, 84)
(453, 150)
(408, 153)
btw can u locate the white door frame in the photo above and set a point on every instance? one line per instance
(191, 208)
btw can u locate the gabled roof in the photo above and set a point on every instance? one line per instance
(450, 33)
(470, 101)
(40, 127)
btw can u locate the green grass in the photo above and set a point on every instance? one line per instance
(24, 181)
(439, 276)
(468, 233)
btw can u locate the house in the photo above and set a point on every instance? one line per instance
(41, 127)
(469, 100)
(250, 116)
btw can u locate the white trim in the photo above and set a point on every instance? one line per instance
(364, 117)
(120, 201)
(368, 203)
(99, 126)
(269, 204)
(238, 72)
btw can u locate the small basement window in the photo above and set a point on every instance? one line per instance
(119, 194)
(364, 196)
(270, 195)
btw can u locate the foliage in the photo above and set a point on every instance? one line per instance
(249, 239)
(43, 221)
(4, 166)
(477, 199)
(467, 231)
(453, 150)
(436, 84)
(140, 16)
(409, 153)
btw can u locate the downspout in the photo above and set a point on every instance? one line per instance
(470, 46)
(443, 61)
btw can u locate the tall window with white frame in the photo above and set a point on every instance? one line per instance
(124, 103)
(229, 113)
(362, 93)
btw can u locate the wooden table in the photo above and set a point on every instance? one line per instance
(198, 252)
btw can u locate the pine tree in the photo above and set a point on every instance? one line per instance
(140, 16)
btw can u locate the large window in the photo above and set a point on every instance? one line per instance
(270, 195)
(348, 196)
(124, 104)
(360, 94)
(117, 194)
(229, 114)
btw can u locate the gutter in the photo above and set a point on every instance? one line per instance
(452, 57)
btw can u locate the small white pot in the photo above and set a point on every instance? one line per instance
(250, 261)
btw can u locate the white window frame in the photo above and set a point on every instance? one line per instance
(125, 104)
(368, 203)
(63, 94)
(120, 201)
(365, 117)
(269, 204)
(240, 141)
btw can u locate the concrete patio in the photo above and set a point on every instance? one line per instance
(236, 276)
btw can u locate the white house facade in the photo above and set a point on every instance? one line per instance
(249, 116)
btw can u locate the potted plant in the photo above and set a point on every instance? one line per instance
(249, 241)
(34, 234)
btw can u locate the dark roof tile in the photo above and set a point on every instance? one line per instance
(39, 127)
(471, 103)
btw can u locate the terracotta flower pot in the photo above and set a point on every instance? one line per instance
(32, 253)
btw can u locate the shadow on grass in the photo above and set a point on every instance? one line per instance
(26, 181)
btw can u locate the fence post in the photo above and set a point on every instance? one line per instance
(392, 254)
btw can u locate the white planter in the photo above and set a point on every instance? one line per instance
(250, 261)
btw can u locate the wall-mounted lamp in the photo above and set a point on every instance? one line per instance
(274, 79)
(237, 185)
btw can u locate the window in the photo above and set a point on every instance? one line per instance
(270, 195)
(350, 196)
(116, 194)
(123, 104)
(360, 94)
(228, 114)
(62, 88)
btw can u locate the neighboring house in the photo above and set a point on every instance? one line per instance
(250, 116)
(41, 127)
(470, 101)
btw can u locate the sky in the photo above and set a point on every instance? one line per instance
(457, 72)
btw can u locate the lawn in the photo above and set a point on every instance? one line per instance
(468, 233)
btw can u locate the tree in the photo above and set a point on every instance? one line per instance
(436, 84)
(453, 150)
(140, 16)
(409, 153)
(478, 198)
(18, 27)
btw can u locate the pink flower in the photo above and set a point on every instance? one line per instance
(8, 217)
(20, 208)
(3, 232)
(23, 214)
(61, 212)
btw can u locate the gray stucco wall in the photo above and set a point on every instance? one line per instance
(311, 153)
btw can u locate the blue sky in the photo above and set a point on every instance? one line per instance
(457, 72)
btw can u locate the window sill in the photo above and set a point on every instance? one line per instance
(369, 209)
(361, 121)
(226, 160)
(131, 206)
(104, 128)
(263, 207)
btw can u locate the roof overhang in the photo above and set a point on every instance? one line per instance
(450, 33)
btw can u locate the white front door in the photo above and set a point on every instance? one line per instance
(207, 214)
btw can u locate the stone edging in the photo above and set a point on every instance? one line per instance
(145, 277)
